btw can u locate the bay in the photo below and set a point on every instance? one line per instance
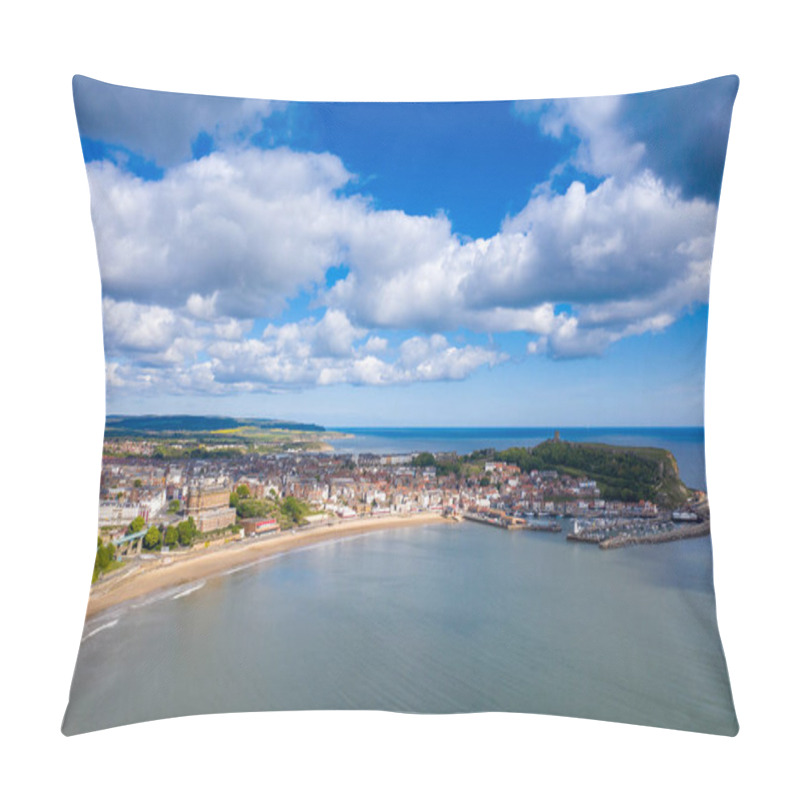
(443, 618)
(437, 619)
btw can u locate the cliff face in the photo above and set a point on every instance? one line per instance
(673, 489)
(672, 492)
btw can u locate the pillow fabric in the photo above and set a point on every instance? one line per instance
(405, 407)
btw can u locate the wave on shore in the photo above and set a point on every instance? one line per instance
(102, 627)
(190, 590)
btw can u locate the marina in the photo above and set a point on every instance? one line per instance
(607, 532)
(686, 523)
(673, 535)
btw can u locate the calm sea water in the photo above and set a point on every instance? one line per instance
(686, 444)
(442, 618)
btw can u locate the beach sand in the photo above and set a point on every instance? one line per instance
(180, 568)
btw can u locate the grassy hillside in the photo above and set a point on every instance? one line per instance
(157, 425)
(184, 436)
(621, 473)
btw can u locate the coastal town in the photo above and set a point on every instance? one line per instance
(153, 508)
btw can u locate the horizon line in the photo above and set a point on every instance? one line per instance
(395, 426)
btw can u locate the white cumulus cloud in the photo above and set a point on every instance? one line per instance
(605, 146)
(190, 261)
(161, 126)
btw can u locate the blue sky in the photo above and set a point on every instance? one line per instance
(498, 263)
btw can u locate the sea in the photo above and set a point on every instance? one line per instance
(441, 618)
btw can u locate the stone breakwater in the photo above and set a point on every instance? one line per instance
(681, 532)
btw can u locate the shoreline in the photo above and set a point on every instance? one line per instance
(148, 577)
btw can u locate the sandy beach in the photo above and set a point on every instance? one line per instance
(180, 568)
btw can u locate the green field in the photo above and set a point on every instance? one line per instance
(208, 437)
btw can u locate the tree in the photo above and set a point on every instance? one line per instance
(186, 531)
(137, 484)
(152, 538)
(423, 460)
(254, 508)
(103, 557)
(171, 536)
(184, 534)
(96, 570)
(137, 525)
(174, 506)
(293, 509)
(243, 490)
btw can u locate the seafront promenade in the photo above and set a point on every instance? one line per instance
(159, 573)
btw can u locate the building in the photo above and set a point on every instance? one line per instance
(114, 513)
(214, 519)
(147, 505)
(210, 507)
(203, 498)
(255, 527)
